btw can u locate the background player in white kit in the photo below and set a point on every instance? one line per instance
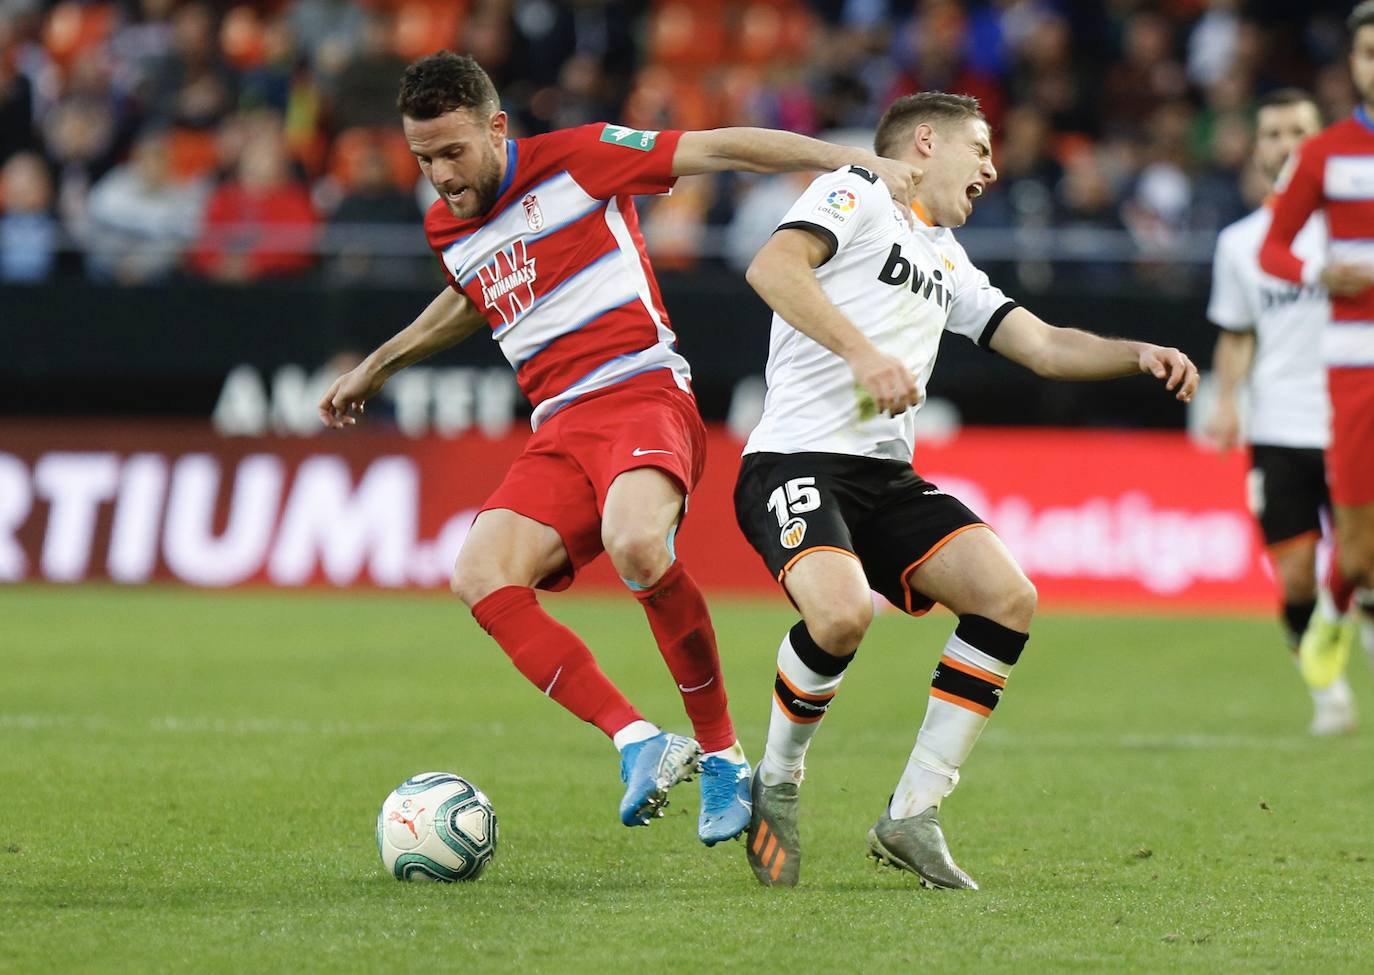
(827, 494)
(1270, 344)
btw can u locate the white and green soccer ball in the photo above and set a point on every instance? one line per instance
(436, 826)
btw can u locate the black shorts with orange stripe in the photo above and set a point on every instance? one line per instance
(1287, 488)
(879, 511)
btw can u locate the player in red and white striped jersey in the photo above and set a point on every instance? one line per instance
(1334, 172)
(1268, 344)
(540, 243)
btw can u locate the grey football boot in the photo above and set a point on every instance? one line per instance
(773, 843)
(917, 844)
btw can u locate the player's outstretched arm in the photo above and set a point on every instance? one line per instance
(783, 273)
(770, 151)
(1231, 361)
(1068, 353)
(448, 319)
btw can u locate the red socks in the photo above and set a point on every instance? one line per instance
(553, 659)
(682, 626)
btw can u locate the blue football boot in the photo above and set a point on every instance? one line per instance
(649, 769)
(725, 801)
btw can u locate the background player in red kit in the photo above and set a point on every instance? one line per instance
(540, 242)
(1334, 172)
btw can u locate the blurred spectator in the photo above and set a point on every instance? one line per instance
(268, 84)
(281, 85)
(1227, 100)
(29, 234)
(1000, 29)
(674, 226)
(365, 91)
(547, 34)
(1158, 96)
(1159, 204)
(1046, 75)
(762, 205)
(141, 219)
(193, 86)
(581, 96)
(16, 110)
(372, 227)
(1146, 76)
(80, 137)
(559, 64)
(1027, 174)
(328, 31)
(1219, 184)
(260, 224)
(1334, 92)
(1214, 43)
(140, 46)
(1088, 206)
(930, 49)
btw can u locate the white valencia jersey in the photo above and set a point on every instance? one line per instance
(1288, 405)
(900, 286)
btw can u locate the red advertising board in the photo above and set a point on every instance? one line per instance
(1096, 518)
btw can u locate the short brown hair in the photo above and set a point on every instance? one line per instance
(909, 111)
(1284, 97)
(443, 82)
(1361, 16)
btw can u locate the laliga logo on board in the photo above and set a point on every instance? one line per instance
(534, 216)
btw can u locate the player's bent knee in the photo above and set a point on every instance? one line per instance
(472, 581)
(1015, 608)
(639, 556)
(466, 588)
(839, 628)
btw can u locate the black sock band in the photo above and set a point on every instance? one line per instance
(1295, 617)
(810, 653)
(993, 639)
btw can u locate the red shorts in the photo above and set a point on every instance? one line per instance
(1350, 458)
(562, 476)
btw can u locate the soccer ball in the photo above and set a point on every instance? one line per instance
(436, 826)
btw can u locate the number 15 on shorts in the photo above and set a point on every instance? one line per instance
(795, 497)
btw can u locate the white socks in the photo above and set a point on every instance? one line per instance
(806, 682)
(734, 754)
(965, 688)
(633, 732)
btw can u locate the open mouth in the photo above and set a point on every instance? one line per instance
(454, 196)
(973, 191)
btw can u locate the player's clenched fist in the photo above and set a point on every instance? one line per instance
(348, 394)
(899, 177)
(886, 379)
(1347, 280)
(1223, 427)
(1176, 369)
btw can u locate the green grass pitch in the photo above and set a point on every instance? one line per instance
(190, 782)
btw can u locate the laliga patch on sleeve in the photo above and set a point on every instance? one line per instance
(620, 135)
(838, 205)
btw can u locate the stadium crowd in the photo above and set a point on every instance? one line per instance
(146, 139)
